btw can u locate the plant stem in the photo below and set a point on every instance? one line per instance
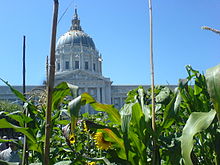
(50, 84)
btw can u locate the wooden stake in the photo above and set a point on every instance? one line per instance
(50, 85)
(25, 151)
(155, 159)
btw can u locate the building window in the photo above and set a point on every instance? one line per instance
(94, 66)
(58, 66)
(67, 65)
(86, 65)
(76, 64)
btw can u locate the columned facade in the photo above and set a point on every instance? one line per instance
(80, 63)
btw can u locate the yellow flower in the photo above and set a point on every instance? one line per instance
(100, 141)
(85, 128)
(72, 138)
(91, 163)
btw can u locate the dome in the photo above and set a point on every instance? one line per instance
(75, 50)
(75, 38)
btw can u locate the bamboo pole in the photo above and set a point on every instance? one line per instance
(47, 70)
(154, 155)
(152, 66)
(50, 85)
(25, 152)
(24, 69)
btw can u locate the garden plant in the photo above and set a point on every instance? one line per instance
(187, 122)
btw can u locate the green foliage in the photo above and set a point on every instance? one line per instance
(201, 123)
(197, 122)
(9, 107)
(213, 82)
(187, 130)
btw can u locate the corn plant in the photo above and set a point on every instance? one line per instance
(201, 136)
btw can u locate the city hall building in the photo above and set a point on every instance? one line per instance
(80, 63)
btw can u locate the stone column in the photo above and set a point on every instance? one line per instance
(108, 93)
(103, 95)
(71, 62)
(80, 61)
(61, 63)
(98, 94)
(92, 63)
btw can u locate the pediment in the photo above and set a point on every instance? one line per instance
(79, 75)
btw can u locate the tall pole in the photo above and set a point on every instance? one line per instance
(50, 85)
(154, 155)
(47, 70)
(24, 69)
(25, 152)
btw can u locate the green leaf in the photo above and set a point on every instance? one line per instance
(197, 122)
(112, 137)
(5, 124)
(61, 91)
(74, 108)
(62, 122)
(213, 84)
(3, 141)
(16, 92)
(163, 95)
(64, 163)
(169, 114)
(138, 120)
(126, 113)
(197, 89)
(93, 126)
(20, 118)
(145, 108)
(3, 162)
(139, 146)
(112, 112)
(178, 101)
(117, 141)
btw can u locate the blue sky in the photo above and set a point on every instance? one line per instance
(120, 30)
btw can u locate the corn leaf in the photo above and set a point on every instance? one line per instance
(197, 122)
(112, 112)
(5, 124)
(213, 84)
(16, 92)
(109, 135)
(61, 91)
(169, 113)
(126, 114)
(74, 108)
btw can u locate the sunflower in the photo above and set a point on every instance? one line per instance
(100, 141)
(91, 163)
(72, 138)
